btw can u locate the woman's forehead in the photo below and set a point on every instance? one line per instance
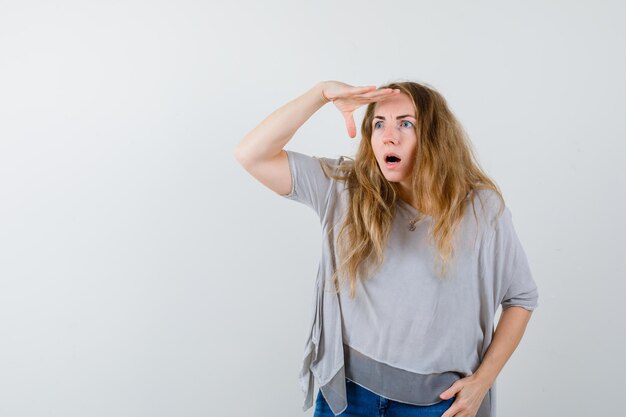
(398, 105)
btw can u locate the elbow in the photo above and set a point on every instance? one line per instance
(239, 154)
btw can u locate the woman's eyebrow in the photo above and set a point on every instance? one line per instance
(399, 117)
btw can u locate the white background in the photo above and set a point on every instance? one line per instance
(143, 272)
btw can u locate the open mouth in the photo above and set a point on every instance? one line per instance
(392, 159)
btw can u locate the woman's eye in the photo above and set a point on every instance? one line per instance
(410, 124)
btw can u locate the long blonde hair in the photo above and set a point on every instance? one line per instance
(445, 175)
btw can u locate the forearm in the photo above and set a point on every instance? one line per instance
(506, 338)
(267, 139)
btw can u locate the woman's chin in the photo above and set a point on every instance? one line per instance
(393, 177)
(392, 174)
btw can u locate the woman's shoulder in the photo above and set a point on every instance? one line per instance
(317, 169)
(489, 204)
(336, 163)
(337, 169)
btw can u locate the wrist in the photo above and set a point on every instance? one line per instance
(485, 380)
(320, 91)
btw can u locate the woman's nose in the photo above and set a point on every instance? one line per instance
(390, 134)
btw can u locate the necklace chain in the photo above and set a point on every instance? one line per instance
(412, 222)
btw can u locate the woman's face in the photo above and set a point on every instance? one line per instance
(393, 131)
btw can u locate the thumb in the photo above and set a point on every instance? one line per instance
(450, 391)
(350, 124)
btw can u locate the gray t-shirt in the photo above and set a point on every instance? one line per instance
(408, 335)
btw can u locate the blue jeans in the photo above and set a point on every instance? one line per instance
(364, 403)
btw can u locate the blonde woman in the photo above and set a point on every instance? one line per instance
(419, 251)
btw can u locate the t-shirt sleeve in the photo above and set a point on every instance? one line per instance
(310, 185)
(510, 266)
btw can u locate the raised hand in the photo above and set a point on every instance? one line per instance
(348, 98)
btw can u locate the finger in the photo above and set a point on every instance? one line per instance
(381, 98)
(355, 91)
(368, 98)
(380, 92)
(350, 124)
(373, 99)
(452, 411)
(365, 89)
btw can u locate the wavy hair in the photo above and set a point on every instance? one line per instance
(446, 174)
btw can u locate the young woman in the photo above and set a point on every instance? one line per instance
(423, 238)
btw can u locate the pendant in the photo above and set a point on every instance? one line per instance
(412, 226)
